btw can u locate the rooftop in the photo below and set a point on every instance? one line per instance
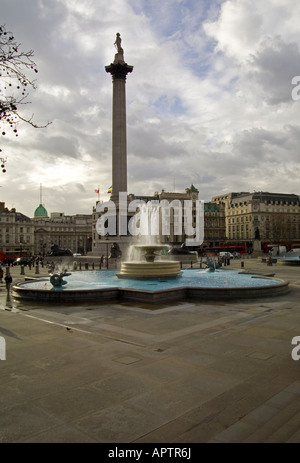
(40, 211)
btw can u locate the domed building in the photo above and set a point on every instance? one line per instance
(40, 212)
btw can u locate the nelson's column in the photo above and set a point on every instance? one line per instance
(119, 70)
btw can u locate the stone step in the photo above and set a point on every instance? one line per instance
(276, 420)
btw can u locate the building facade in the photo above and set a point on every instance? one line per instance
(16, 232)
(72, 232)
(20, 234)
(264, 216)
(214, 221)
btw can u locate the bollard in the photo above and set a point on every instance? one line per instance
(242, 264)
(79, 265)
(22, 270)
(86, 266)
(93, 266)
(37, 268)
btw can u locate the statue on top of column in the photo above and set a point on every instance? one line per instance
(118, 43)
(119, 57)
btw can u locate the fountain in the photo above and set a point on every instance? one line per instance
(150, 268)
(147, 266)
(146, 277)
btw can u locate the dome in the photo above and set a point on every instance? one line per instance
(40, 211)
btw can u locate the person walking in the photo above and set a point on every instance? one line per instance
(8, 281)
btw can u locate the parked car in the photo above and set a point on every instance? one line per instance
(76, 254)
(236, 255)
(226, 254)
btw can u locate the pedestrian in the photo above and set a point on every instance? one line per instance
(1, 274)
(8, 281)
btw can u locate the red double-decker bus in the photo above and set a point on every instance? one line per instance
(10, 256)
(241, 248)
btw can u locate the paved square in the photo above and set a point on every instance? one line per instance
(190, 371)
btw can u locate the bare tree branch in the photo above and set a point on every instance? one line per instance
(14, 82)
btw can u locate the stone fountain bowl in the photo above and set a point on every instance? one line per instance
(149, 247)
(150, 250)
(149, 270)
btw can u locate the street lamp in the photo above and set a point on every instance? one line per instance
(107, 251)
(21, 248)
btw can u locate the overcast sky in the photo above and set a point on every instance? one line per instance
(209, 100)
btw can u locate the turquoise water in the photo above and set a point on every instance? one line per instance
(101, 279)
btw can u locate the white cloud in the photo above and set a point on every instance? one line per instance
(208, 102)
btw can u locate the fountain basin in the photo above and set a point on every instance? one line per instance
(103, 285)
(149, 270)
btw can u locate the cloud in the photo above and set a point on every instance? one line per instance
(273, 68)
(208, 101)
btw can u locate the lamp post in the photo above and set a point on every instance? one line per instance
(107, 251)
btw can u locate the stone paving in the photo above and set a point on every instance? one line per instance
(187, 372)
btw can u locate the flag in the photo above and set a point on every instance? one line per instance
(97, 190)
(110, 189)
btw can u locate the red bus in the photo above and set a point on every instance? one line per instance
(240, 248)
(6, 256)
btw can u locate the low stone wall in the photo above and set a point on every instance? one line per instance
(160, 296)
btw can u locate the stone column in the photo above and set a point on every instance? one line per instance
(119, 70)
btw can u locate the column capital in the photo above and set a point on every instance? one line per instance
(118, 70)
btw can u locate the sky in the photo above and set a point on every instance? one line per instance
(210, 101)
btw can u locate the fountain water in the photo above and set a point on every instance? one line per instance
(145, 265)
